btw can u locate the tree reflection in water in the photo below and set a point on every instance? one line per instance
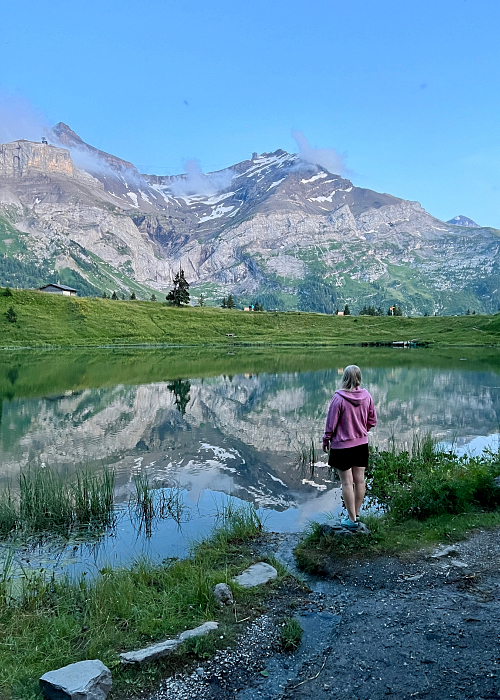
(180, 389)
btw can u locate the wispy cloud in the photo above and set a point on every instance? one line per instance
(195, 181)
(327, 158)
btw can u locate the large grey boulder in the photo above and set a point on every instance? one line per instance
(256, 575)
(84, 680)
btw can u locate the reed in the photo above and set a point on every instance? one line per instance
(307, 455)
(47, 501)
(148, 504)
(93, 495)
(44, 500)
(9, 512)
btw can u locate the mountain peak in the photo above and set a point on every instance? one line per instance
(67, 137)
(463, 221)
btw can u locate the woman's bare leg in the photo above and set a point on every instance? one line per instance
(346, 479)
(358, 477)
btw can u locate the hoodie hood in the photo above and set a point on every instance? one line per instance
(356, 397)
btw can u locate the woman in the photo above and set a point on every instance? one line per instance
(350, 416)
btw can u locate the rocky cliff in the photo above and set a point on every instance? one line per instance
(271, 228)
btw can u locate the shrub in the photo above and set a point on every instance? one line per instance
(427, 482)
(11, 315)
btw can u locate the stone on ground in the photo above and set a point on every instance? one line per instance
(256, 575)
(223, 594)
(154, 651)
(449, 551)
(84, 680)
(149, 653)
(327, 530)
(198, 631)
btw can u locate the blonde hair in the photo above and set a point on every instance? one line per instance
(352, 378)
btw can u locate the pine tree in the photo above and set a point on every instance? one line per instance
(104, 295)
(179, 295)
(346, 311)
(114, 295)
(230, 302)
(201, 300)
(224, 303)
(153, 297)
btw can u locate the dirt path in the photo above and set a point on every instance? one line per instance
(413, 627)
(421, 628)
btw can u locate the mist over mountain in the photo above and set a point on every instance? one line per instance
(277, 228)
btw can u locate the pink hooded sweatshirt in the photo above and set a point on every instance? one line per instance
(350, 417)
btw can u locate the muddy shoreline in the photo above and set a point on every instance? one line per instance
(405, 627)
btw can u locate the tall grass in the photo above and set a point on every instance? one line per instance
(47, 501)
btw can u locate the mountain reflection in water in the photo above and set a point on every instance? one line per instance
(234, 434)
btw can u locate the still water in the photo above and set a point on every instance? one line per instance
(222, 424)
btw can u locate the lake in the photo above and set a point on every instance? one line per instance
(219, 424)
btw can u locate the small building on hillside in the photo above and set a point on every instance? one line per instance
(59, 289)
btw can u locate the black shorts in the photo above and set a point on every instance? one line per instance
(349, 457)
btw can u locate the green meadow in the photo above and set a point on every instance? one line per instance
(45, 320)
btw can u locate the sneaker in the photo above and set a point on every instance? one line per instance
(349, 524)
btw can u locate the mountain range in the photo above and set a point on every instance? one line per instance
(273, 228)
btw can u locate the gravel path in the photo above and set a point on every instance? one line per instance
(414, 627)
(426, 628)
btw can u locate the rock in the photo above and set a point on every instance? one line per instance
(167, 647)
(149, 653)
(459, 564)
(327, 530)
(198, 631)
(223, 594)
(449, 551)
(84, 680)
(256, 575)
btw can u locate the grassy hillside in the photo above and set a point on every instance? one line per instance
(50, 320)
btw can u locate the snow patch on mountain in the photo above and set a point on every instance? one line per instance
(315, 177)
(219, 211)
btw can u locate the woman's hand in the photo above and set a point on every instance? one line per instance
(325, 448)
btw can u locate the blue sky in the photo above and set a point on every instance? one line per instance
(408, 90)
